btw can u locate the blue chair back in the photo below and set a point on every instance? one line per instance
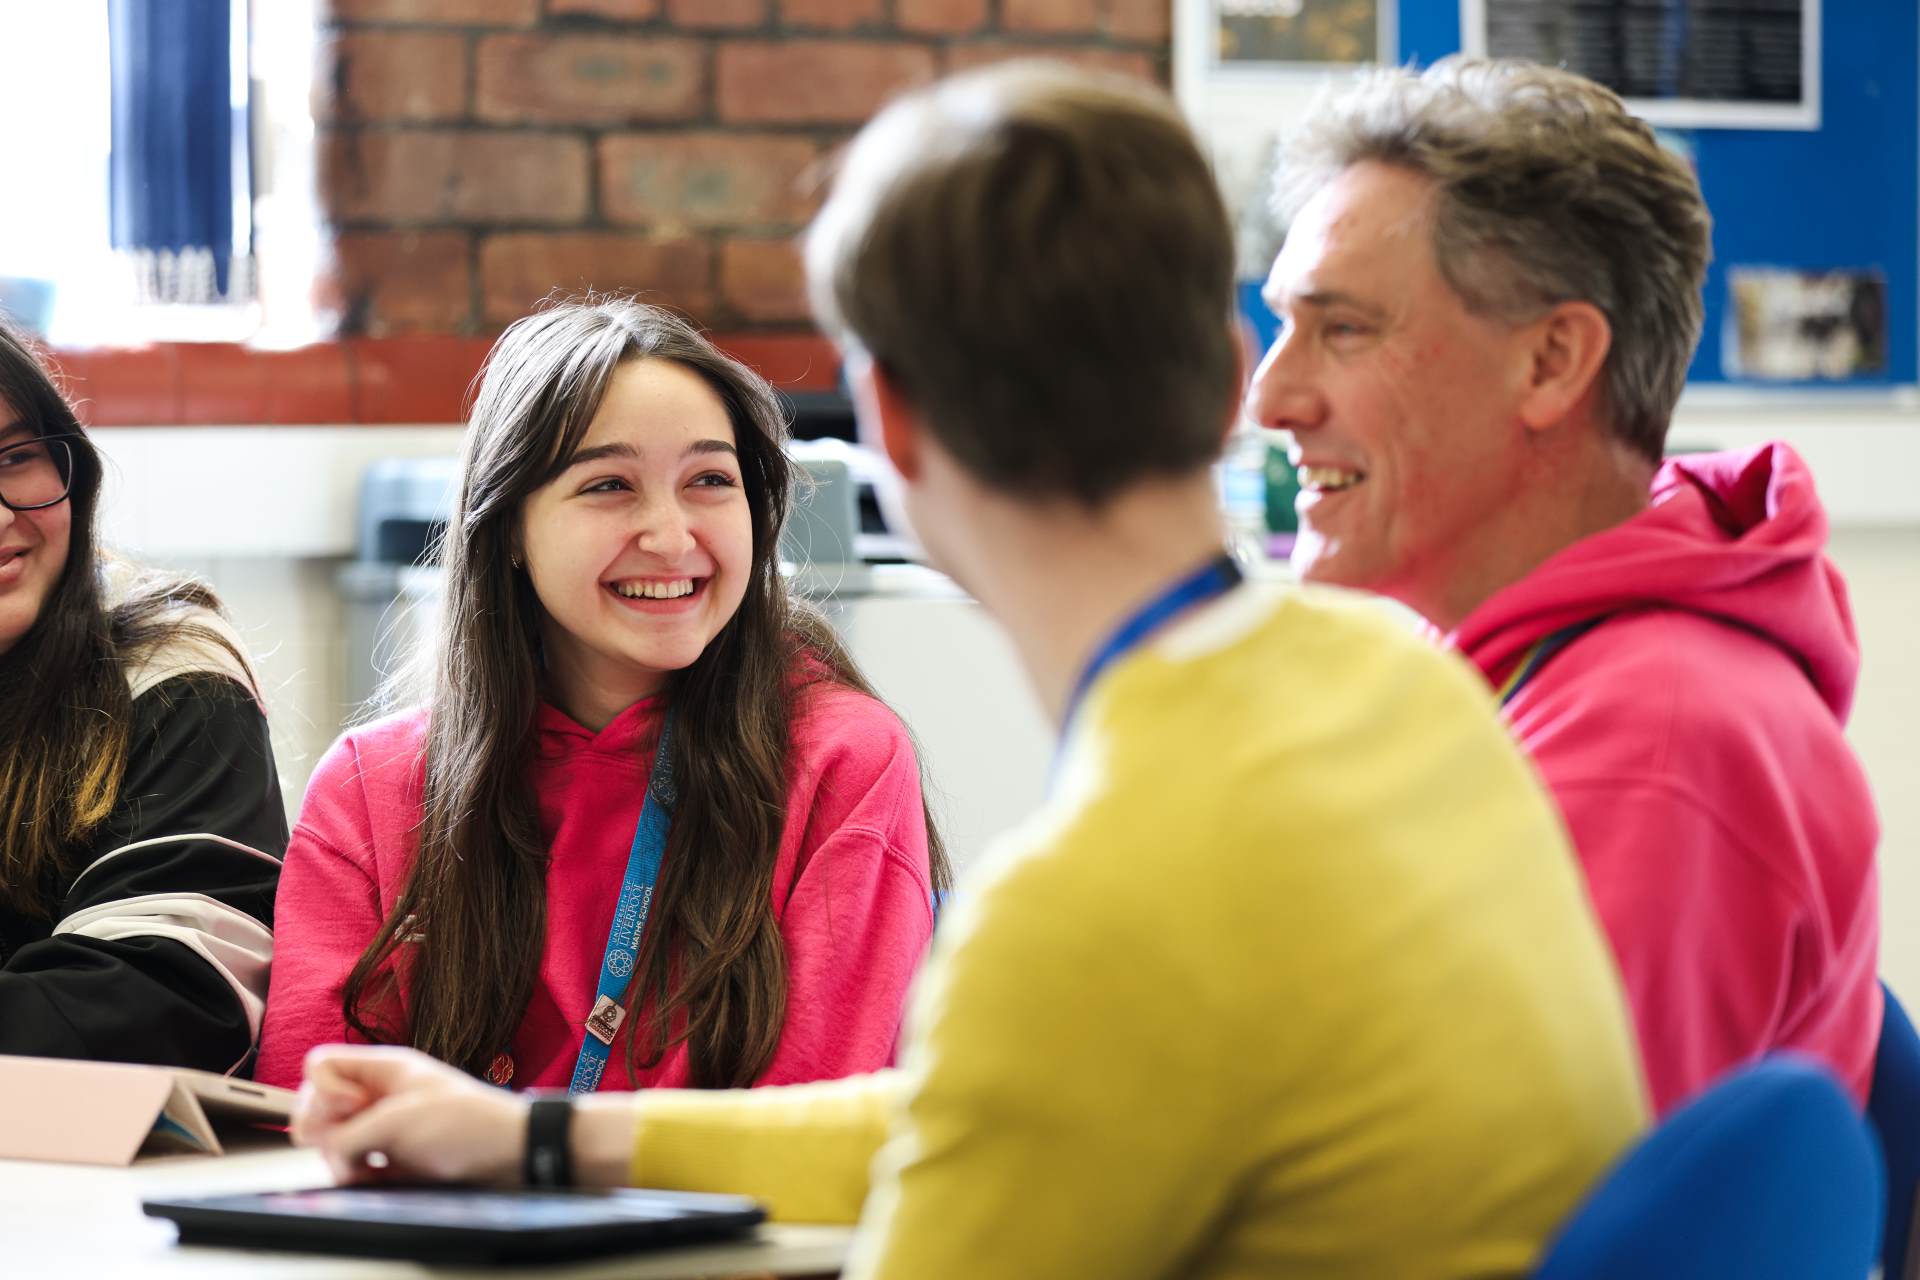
(1894, 1107)
(1770, 1175)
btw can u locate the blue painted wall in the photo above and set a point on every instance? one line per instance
(1844, 196)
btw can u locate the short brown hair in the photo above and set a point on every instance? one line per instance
(1040, 258)
(1548, 191)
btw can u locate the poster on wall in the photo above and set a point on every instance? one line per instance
(1281, 37)
(1789, 325)
(1242, 69)
(1687, 64)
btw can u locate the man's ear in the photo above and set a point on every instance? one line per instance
(889, 421)
(1567, 349)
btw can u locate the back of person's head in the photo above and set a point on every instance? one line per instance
(1040, 260)
(65, 700)
(713, 963)
(1546, 191)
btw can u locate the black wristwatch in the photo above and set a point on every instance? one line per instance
(549, 1158)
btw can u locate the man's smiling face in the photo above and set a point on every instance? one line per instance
(1401, 402)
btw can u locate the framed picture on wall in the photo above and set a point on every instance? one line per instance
(1228, 40)
(1684, 64)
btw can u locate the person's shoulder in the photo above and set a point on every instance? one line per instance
(1697, 712)
(195, 641)
(1703, 682)
(190, 683)
(1291, 665)
(398, 735)
(196, 733)
(850, 761)
(382, 757)
(1298, 626)
(834, 721)
(1316, 713)
(193, 699)
(365, 794)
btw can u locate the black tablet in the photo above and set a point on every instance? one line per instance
(454, 1224)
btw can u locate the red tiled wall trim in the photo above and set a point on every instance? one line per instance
(423, 379)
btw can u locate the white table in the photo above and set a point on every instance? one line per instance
(80, 1220)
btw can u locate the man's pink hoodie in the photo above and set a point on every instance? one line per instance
(1693, 740)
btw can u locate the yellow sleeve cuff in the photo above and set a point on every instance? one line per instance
(802, 1150)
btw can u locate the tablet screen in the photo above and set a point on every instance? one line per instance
(485, 1210)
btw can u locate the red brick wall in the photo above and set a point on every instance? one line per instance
(478, 154)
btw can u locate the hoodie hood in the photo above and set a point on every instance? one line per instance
(631, 734)
(1739, 537)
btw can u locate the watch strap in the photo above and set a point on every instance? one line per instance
(549, 1157)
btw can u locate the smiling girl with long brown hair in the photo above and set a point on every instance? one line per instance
(651, 814)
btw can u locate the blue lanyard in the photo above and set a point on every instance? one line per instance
(1537, 657)
(1215, 578)
(630, 916)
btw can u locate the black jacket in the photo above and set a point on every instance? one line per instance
(162, 935)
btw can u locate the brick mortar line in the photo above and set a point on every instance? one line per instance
(393, 127)
(868, 34)
(357, 26)
(938, 47)
(769, 23)
(1057, 40)
(471, 97)
(716, 283)
(823, 131)
(710, 79)
(476, 288)
(662, 233)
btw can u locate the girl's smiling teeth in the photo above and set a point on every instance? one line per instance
(655, 588)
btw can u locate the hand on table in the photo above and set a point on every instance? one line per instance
(384, 1113)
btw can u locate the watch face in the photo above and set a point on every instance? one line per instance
(500, 1070)
(545, 1167)
(548, 1162)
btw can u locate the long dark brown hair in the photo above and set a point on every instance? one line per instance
(712, 970)
(65, 700)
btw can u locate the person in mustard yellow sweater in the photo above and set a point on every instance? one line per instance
(1292, 975)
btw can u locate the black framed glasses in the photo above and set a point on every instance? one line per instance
(35, 473)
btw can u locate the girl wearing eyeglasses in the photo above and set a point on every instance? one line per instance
(141, 825)
(652, 827)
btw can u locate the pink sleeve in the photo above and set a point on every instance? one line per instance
(1720, 957)
(856, 925)
(325, 913)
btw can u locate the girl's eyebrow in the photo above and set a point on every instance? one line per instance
(597, 452)
(620, 449)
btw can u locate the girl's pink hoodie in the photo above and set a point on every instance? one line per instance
(850, 885)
